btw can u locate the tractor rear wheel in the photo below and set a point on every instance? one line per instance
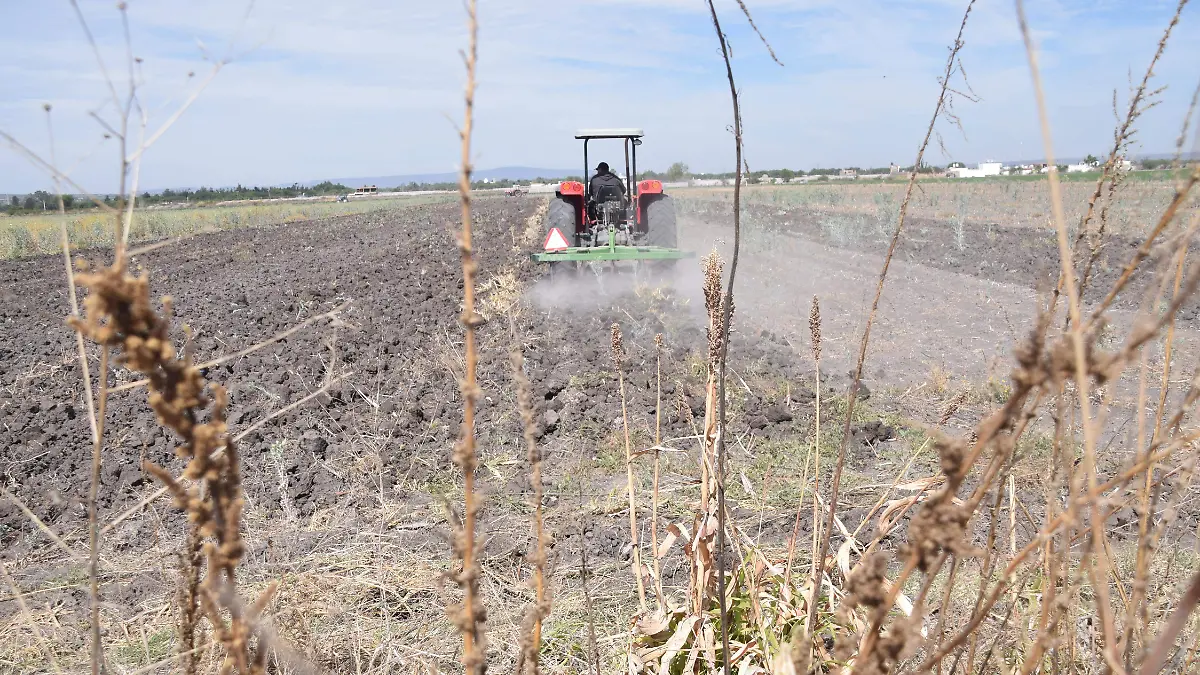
(660, 223)
(561, 214)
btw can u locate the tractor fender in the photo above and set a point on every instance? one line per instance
(572, 192)
(649, 191)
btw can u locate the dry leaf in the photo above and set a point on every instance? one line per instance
(677, 641)
(746, 484)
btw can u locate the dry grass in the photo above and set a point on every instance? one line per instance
(35, 235)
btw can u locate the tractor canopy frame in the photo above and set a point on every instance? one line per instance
(632, 139)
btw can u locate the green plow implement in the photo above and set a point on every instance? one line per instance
(611, 252)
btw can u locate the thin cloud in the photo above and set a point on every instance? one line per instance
(373, 87)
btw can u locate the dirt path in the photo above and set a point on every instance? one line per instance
(938, 330)
(929, 319)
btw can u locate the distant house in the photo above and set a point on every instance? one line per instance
(985, 169)
(366, 190)
(848, 173)
(1080, 168)
(706, 182)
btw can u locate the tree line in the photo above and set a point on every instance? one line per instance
(41, 200)
(45, 201)
(680, 171)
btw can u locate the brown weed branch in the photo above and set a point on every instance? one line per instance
(469, 618)
(852, 396)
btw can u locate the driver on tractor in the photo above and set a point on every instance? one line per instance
(605, 185)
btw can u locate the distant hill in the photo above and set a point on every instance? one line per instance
(514, 173)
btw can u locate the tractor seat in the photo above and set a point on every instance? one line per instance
(608, 193)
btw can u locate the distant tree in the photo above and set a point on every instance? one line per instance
(324, 188)
(1091, 160)
(677, 171)
(787, 174)
(43, 199)
(14, 201)
(29, 203)
(68, 201)
(956, 165)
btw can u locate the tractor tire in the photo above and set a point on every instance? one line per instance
(660, 223)
(561, 214)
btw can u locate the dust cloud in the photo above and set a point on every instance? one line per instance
(596, 286)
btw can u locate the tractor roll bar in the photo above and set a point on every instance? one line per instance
(632, 137)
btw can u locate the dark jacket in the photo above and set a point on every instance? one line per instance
(607, 179)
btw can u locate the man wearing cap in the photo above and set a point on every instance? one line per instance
(603, 182)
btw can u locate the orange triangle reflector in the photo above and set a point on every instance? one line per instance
(555, 241)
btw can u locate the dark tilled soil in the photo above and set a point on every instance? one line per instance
(392, 424)
(399, 271)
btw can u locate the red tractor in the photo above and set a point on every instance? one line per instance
(611, 224)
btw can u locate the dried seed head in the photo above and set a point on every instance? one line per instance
(941, 523)
(814, 327)
(952, 407)
(713, 267)
(658, 341)
(898, 643)
(864, 586)
(120, 317)
(618, 345)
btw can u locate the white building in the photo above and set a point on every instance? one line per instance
(988, 168)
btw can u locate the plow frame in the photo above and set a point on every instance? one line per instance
(610, 252)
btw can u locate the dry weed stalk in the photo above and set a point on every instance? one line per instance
(470, 617)
(531, 637)
(704, 525)
(654, 557)
(1080, 347)
(120, 317)
(814, 327)
(852, 396)
(593, 651)
(125, 108)
(191, 561)
(812, 460)
(1142, 100)
(618, 356)
(723, 346)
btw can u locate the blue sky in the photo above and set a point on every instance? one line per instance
(372, 87)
